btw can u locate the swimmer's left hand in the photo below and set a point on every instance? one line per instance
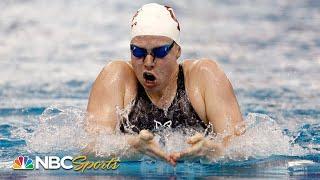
(200, 148)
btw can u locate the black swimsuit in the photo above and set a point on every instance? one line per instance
(145, 115)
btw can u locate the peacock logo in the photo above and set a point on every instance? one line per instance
(23, 162)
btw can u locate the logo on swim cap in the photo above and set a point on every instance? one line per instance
(173, 16)
(155, 19)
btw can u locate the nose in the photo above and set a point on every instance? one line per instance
(149, 62)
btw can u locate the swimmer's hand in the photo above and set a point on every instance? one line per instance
(200, 148)
(145, 144)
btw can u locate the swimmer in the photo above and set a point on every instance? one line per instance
(164, 92)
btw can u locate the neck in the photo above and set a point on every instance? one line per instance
(165, 96)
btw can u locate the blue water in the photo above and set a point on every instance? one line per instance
(51, 52)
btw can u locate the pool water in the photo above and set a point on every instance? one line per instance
(51, 52)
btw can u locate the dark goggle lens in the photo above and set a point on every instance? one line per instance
(138, 52)
(161, 52)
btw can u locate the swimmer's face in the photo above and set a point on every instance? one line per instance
(152, 72)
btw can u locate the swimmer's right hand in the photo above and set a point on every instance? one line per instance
(145, 144)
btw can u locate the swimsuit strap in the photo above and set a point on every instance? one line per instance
(180, 80)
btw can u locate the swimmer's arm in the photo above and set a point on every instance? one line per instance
(222, 111)
(112, 89)
(106, 94)
(222, 108)
(116, 87)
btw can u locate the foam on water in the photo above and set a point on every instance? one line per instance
(264, 137)
(62, 130)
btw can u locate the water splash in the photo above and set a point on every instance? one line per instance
(263, 138)
(58, 129)
(62, 129)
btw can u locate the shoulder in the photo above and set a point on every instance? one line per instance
(118, 72)
(197, 74)
(117, 67)
(206, 73)
(117, 76)
(202, 67)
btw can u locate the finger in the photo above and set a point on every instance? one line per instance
(155, 150)
(196, 138)
(89, 149)
(240, 129)
(162, 156)
(172, 162)
(145, 135)
(192, 151)
(215, 149)
(175, 156)
(134, 142)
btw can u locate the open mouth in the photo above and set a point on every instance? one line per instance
(149, 80)
(149, 77)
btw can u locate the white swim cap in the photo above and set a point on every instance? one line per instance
(155, 19)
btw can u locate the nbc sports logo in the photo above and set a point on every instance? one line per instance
(23, 162)
(49, 162)
(78, 163)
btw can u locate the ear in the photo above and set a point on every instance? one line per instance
(178, 52)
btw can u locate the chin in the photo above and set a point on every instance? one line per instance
(153, 87)
(149, 86)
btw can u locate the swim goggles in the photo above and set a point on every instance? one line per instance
(157, 52)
